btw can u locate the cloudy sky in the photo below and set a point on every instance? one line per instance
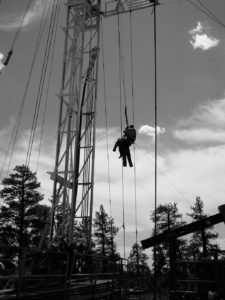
(191, 107)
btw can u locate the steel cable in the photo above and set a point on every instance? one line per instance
(48, 85)
(15, 131)
(42, 81)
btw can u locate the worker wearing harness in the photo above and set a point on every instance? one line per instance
(124, 143)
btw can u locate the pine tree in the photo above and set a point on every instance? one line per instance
(137, 257)
(167, 218)
(201, 241)
(22, 217)
(37, 215)
(104, 233)
(139, 274)
(81, 234)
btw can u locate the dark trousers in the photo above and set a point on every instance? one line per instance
(127, 157)
(124, 150)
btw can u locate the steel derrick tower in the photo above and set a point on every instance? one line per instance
(73, 174)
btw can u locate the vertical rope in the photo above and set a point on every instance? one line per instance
(106, 121)
(123, 212)
(107, 139)
(120, 77)
(156, 141)
(132, 94)
(122, 72)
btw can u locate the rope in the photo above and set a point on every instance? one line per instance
(48, 84)
(106, 121)
(14, 135)
(156, 141)
(156, 107)
(126, 117)
(41, 83)
(107, 138)
(121, 122)
(20, 26)
(16, 35)
(120, 77)
(121, 64)
(132, 96)
(39, 95)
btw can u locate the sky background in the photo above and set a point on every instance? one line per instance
(191, 107)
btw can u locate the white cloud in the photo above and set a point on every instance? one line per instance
(12, 21)
(203, 41)
(150, 130)
(197, 29)
(211, 112)
(199, 172)
(206, 124)
(200, 37)
(200, 135)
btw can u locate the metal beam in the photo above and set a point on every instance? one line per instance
(116, 7)
(183, 230)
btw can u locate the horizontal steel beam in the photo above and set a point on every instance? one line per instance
(184, 230)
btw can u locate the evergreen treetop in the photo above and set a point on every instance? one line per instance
(201, 241)
(22, 217)
(104, 233)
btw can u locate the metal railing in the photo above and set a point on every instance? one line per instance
(26, 271)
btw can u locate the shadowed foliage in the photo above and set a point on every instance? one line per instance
(22, 217)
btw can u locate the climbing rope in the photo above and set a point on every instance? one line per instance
(121, 67)
(20, 26)
(42, 79)
(48, 84)
(106, 121)
(16, 35)
(121, 77)
(15, 131)
(156, 142)
(132, 96)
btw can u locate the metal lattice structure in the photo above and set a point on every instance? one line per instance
(74, 164)
(114, 7)
(73, 174)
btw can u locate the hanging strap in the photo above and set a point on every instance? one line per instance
(126, 117)
(121, 71)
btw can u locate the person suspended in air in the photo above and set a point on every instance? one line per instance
(124, 144)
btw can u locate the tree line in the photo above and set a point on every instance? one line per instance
(23, 217)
